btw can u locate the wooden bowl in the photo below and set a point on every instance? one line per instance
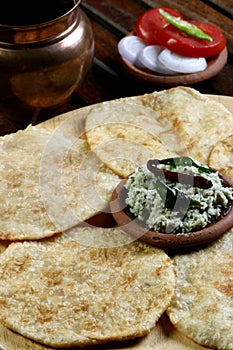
(136, 229)
(215, 65)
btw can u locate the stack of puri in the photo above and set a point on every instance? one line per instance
(67, 283)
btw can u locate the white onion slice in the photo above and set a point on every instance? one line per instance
(148, 58)
(129, 46)
(182, 64)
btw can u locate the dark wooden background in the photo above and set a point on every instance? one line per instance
(113, 19)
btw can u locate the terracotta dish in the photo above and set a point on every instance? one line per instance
(166, 240)
(215, 65)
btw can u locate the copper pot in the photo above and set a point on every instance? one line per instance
(42, 63)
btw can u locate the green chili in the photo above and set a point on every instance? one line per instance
(185, 26)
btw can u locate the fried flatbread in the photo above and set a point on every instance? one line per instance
(64, 294)
(221, 156)
(45, 178)
(202, 306)
(125, 135)
(200, 121)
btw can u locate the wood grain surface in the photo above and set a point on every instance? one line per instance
(111, 20)
(163, 336)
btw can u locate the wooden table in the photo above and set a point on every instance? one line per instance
(110, 21)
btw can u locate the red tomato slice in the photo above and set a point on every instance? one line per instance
(183, 44)
(152, 21)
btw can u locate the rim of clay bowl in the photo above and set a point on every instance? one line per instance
(214, 65)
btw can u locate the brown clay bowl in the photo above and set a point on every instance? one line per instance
(166, 240)
(215, 65)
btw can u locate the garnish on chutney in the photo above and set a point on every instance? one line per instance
(192, 180)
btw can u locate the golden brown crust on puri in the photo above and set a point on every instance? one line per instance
(221, 156)
(202, 306)
(199, 120)
(44, 180)
(125, 135)
(61, 293)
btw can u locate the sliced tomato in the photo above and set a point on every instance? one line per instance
(150, 22)
(183, 44)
